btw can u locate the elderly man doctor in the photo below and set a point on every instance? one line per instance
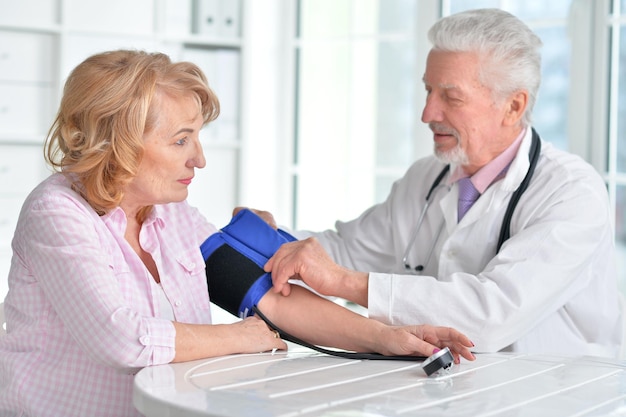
(549, 285)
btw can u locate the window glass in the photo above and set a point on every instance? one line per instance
(461, 5)
(620, 234)
(621, 105)
(355, 107)
(396, 16)
(539, 9)
(341, 18)
(323, 18)
(395, 104)
(525, 10)
(617, 156)
(322, 111)
(550, 112)
(335, 131)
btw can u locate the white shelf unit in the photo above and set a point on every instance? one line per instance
(42, 40)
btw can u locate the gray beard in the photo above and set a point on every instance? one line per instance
(456, 156)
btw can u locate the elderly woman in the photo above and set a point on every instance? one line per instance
(107, 276)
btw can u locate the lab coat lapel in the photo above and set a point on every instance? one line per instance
(448, 206)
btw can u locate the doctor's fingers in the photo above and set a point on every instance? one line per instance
(284, 265)
(280, 276)
(265, 215)
(305, 260)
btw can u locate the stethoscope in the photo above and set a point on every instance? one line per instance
(505, 230)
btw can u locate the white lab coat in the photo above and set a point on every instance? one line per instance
(551, 289)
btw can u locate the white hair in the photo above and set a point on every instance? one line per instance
(509, 50)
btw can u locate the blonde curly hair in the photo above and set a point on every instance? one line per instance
(96, 139)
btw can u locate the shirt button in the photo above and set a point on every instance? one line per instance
(177, 303)
(192, 265)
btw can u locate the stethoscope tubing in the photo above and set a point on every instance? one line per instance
(420, 220)
(405, 258)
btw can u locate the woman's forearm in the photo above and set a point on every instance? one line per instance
(197, 341)
(320, 321)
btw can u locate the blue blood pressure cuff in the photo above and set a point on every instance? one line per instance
(234, 259)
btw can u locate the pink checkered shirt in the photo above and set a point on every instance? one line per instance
(82, 310)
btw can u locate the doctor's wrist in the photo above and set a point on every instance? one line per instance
(353, 286)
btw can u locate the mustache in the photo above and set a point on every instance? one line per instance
(442, 129)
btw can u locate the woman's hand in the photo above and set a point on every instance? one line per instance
(424, 340)
(256, 336)
(199, 341)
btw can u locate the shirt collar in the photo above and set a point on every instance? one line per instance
(116, 218)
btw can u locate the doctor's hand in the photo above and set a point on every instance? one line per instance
(307, 261)
(265, 215)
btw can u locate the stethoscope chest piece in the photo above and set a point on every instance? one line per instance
(440, 360)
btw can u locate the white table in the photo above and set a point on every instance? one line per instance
(303, 383)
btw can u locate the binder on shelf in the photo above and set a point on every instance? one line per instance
(229, 23)
(217, 17)
(226, 85)
(205, 17)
